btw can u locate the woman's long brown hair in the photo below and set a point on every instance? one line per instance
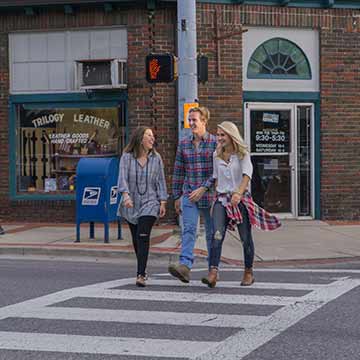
(134, 145)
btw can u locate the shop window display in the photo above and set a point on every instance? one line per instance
(51, 142)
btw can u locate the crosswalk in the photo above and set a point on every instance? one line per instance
(165, 320)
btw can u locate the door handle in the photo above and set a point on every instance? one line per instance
(291, 162)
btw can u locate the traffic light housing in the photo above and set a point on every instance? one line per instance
(202, 68)
(160, 68)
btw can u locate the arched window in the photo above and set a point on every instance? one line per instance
(278, 59)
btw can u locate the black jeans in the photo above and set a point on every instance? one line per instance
(140, 234)
(221, 222)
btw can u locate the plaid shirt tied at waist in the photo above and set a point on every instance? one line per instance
(258, 216)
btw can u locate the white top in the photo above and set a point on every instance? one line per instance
(229, 174)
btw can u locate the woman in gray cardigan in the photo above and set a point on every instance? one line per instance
(142, 185)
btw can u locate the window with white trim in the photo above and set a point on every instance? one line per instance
(279, 58)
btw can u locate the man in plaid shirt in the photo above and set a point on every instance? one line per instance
(192, 183)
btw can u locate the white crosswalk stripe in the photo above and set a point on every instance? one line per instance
(254, 330)
(101, 345)
(195, 297)
(235, 284)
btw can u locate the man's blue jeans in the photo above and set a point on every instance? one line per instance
(190, 217)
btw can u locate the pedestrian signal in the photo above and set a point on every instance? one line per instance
(202, 68)
(160, 68)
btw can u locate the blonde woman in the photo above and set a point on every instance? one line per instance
(234, 207)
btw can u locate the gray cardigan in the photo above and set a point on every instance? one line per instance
(145, 185)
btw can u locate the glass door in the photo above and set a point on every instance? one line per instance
(304, 160)
(280, 141)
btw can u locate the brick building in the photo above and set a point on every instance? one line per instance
(286, 71)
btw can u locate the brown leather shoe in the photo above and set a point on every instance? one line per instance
(212, 277)
(140, 281)
(181, 271)
(248, 277)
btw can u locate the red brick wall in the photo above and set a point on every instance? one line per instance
(339, 83)
(222, 94)
(340, 124)
(156, 105)
(148, 105)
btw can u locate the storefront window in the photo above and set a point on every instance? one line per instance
(51, 142)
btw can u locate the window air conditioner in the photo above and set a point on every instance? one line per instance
(100, 74)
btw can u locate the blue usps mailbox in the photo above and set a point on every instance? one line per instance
(97, 198)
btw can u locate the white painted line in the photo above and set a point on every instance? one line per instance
(46, 300)
(292, 270)
(102, 345)
(146, 317)
(236, 284)
(243, 343)
(194, 297)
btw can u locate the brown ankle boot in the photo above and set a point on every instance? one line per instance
(211, 279)
(140, 281)
(248, 277)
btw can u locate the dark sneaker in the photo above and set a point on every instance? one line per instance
(182, 272)
(2, 231)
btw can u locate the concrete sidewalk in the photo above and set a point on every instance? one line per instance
(294, 241)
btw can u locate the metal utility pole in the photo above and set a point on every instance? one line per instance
(187, 55)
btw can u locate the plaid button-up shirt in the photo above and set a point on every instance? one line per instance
(194, 168)
(258, 216)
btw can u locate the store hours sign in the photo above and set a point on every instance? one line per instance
(269, 133)
(272, 141)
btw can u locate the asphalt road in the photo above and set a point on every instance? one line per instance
(77, 310)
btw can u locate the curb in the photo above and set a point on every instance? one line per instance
(53, 251)
(169, 254)
(59, 251)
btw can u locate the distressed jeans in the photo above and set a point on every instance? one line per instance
(221, 222)
(190, 217)
(140, 234)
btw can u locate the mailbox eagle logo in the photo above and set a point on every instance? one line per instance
(113, 195)
(91, 196)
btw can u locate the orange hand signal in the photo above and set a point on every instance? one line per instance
(154, 68)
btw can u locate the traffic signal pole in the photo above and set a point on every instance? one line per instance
(187, 55)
